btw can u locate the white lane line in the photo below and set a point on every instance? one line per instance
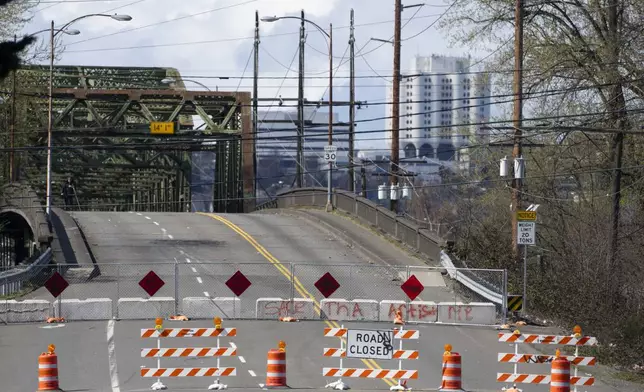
(170, 236)
(233, 345)
(182, 252)
(206, 294)
(156, 223)
(131, 212)
(188, 260)
(193, 269)
(148, 218)
(199, 280)
(242, 359)
(139, 214)
(252, 373)
(163, 230)
(114, 374)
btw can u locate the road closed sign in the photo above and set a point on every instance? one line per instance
(370, 344)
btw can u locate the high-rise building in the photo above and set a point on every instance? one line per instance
(443, 106)
(276, 146)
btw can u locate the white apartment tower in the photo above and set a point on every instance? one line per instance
(442, 104)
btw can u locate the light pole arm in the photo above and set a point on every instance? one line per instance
(82, 17)
(306, 20)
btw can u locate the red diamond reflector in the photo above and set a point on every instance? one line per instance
(238, 283)
(56, 284)
(151, 283)
(412, 287)
(327, 285)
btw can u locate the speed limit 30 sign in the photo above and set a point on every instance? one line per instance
(330, 153)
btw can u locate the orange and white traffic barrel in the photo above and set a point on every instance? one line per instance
(276, 367)
(451, 380)
(48, 370)
(560, 375)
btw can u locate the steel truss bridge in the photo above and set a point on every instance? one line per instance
(102, 140)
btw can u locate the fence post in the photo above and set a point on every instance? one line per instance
(176, 287)
(290, 311)
(505, 296)
(115, 309)
(60, 297)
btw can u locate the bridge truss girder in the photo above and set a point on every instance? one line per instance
(101, 138)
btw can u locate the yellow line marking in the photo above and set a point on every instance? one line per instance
(298, 285)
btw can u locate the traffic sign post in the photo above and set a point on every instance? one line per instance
(330, 153)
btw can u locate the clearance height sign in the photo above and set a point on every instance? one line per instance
(370, 344)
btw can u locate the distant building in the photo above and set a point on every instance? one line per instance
(276, 147)
(441, 109)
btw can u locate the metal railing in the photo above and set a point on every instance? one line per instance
(201, 290)
(12, 281)
(426, 239)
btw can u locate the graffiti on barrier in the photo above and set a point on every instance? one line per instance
(417, 312)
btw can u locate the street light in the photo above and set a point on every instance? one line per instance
(329, 39)
(53, 32)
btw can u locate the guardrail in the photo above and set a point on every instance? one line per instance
(426, 240)
(477, 287)
(12, 281)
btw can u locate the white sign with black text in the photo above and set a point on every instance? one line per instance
(370, 344)
(526, 233)
(330, 153)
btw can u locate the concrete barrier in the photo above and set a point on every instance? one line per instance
(144, 309)
(274, 308)
(355, 310)
(84, 309)
(30, 310)
(483, 313)
(208, 308)
(418, 311)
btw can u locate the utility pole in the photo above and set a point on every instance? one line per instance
(517, 118)
(12, 124)
(395, 114)
(255, 117)
(329, 202)
(618, 114)
(300, 107)
(352, 106)
(363, 174)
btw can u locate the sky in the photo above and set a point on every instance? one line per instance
(205, 39)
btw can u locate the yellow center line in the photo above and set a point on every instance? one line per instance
(370, 363)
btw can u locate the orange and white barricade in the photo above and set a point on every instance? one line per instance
(395, 374)
(516, 358)
(189, 352)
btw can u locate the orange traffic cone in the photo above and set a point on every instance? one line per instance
(399, 318)
(48, 370)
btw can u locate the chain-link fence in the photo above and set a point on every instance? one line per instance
(257, 291)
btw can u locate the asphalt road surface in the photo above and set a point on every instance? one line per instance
(105, 355)
(87, 362)
(203, 251)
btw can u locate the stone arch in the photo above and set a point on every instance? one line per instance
(410, 150)
(445, 152)
(17, 228)
(426, 151)
(20, 199)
